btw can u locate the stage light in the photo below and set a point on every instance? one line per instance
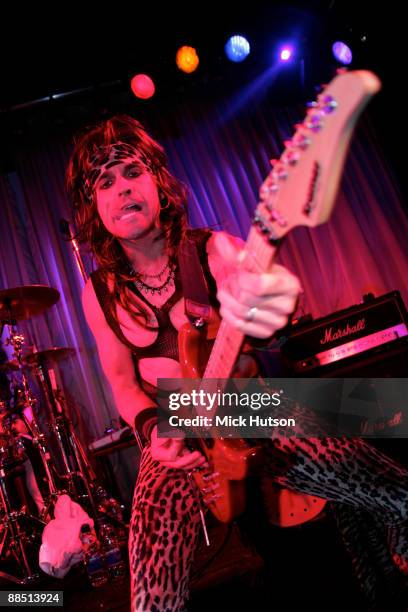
(187, 59)
(285, 54)
(142, 86)
(342, 52)
(237, 48)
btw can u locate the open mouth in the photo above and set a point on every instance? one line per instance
(130, 210)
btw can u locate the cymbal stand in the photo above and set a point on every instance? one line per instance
(19, 540)
(96, 493)
(75, 464)
(16, 341)
(13, 532)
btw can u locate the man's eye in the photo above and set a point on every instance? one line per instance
(105, 184)
(134, 172)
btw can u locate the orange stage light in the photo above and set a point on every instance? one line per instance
(187, 59)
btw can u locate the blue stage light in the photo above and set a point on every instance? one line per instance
(237, 48)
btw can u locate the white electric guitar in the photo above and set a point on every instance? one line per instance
(300, 190)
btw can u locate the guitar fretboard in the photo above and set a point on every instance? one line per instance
(258, 258)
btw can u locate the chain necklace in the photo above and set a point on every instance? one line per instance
(159, 275)
(142, 286)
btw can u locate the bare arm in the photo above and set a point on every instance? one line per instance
(116, 360)
(117, 364)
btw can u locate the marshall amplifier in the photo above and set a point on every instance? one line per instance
(370, 338)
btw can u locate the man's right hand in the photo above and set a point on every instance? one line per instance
(172, 453)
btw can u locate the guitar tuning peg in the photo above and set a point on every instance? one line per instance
(327, 104)
(302, 141)
(264, 192)
(314, 127)
(273, 162)
(267, 188)
(282, 173)
(292, 157)
(314, 122)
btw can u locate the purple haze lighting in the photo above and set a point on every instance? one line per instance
(285, 54)
(342, 52)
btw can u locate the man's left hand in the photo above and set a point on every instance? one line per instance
(256, 304)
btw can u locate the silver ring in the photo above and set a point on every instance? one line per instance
(250, 315)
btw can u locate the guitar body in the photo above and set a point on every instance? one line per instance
(232, 460)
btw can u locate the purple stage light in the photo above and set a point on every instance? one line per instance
(342, 52)
(285, 54)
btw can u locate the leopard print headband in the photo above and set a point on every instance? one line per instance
(107, 157)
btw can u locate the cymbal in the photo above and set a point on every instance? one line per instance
(26, 301)
(53, 354)
(9, 366)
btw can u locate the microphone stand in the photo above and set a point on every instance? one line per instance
(65, 230)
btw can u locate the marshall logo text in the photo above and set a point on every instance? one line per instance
(331, 334)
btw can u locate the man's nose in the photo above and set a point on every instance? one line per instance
(125, 191)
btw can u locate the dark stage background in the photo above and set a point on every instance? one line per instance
(219, 131)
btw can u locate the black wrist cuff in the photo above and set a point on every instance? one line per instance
(148, 428)
(145, 420)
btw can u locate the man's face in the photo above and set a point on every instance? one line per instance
(127, 200)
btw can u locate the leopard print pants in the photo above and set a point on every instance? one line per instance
(165, 521)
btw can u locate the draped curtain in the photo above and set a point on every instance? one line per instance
(222, 154)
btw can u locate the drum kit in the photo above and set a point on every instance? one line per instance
(35, 433)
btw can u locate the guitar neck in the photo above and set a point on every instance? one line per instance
(258, 257)
(301, 188)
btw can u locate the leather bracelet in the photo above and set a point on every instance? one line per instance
(143, 418)
(148, 428)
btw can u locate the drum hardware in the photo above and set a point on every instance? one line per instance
(9, 366)
(14, 520)
(14, 532)
(25, 302)
(20, 528)
(77, 471)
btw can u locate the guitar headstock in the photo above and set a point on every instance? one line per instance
(302, 185)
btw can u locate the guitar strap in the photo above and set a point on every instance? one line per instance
(195, 291)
